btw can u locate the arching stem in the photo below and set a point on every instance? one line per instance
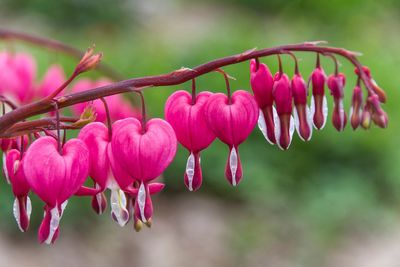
(228, 87)
(109, 122)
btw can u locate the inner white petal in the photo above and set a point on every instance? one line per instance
(263, 126)
(309, 121)
(54, 223)
(190, 169)
(341, 114)
(277, 127)
(324, 111)
(233, 164)
(118, 206)
(141, 198)
(17, 214)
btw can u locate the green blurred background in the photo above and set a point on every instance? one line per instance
(331, 202)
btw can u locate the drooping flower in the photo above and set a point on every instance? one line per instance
(14, 172)
(118, 106)
(17, 74)
(319, 105)
(55, 176)
(188, 119)
(232, 120)
(97, 138)
(336, 83)
(284, 124)
(302, 113)
(262, 83)
(144, 151)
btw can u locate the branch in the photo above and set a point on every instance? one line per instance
(174, 78)
(57, 46)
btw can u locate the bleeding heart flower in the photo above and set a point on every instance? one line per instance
(336, 85)
(118, 106)
(302, 113)
(144, 151)
(15, 174)
(53, 79)
(188, 120)
(262, 83)
(284, 125)
(17, 74)
(232, 120)
(98, 140)
(55, 176)
(319, 105)
(356, 107)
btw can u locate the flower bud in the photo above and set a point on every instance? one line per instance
(377, 89)
(356, 107)
(319, 106)
(366, 116)
(262, 83)
(302, 114)
(336, 85)
(379, 116)
(283, 101)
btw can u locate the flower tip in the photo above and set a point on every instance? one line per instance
(138, 225)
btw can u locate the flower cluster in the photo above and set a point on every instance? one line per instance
(125, 153)
(276, 94)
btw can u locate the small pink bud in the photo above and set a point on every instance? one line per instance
(319, 106)
(302, 114)
(336, 85)
(379, 116)
(378, 90)
(89, 61)
(356, 107)
(284, 125)
(366, 116)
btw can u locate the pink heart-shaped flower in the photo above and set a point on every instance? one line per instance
(192, 131)
(105, 171)
(232, 123)
(55, 176)
(144, 151)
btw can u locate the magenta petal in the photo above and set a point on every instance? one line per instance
(188, 120)
(15, 172)
(55, 177)
(262, 83)
(95, 136)
(144, 153)
(53, 79)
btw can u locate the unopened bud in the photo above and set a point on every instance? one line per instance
(89, 61)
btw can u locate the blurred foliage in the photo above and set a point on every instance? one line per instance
(337, 181)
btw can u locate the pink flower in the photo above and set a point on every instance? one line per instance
(53, 78)
(118, 106)
(144, 152)
(17, 74)
(105, 175)
(192, 131)
(262, 83)
(302, 114)
(336, 85)
(55, 177)
(232, 121)
(379, 116)
(284, 125)
(15, 174)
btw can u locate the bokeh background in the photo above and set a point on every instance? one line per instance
(334, 201)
